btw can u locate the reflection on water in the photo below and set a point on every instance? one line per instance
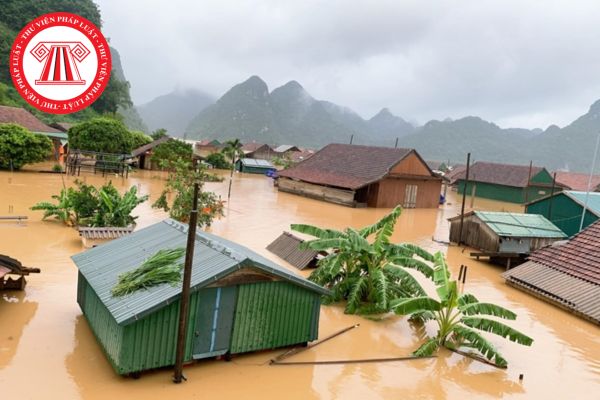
(15, 314)
(57, 352)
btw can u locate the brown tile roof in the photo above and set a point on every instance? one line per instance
(20, 116)
(347, 166)
(142, 149)
(457, 172)
(500, 174)
(287, 246)
(576, 181)
(580, 256)
(565, 273)
(109, 232)
(298, 156)
(62, 126)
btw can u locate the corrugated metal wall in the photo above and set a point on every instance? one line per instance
(273, 314)
(104, 326)
(566, 213)
(150, 342)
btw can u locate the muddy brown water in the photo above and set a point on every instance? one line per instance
(48, 351)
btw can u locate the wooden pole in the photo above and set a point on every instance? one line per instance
(551, 197)
(462, 209)
(185, 290)
(396, 145)
(351, 138)
(528, 180)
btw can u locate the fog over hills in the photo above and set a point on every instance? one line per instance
(290, 115)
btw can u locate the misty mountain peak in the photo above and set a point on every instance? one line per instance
(595, 108)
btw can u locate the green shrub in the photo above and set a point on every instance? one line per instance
(218, 161)
(104, 135)
(18, 146)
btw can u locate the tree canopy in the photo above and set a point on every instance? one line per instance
(18, 146)
(172, 150)
(105, 135)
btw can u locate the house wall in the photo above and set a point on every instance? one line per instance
(108, 333)
(333, 195)
(262, 153)
(475, 234)
(564, 213)
(390, 192)
(274, 314)
(411, 165)
(507, 194)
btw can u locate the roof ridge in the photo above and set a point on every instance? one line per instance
(217, 246)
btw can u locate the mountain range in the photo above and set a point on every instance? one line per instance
(290, 115)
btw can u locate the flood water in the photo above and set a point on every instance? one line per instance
(48, 351)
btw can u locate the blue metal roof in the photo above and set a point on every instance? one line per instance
(593, 201)
(214, 258)
(256, 162)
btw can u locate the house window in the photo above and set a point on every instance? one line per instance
(410, 196)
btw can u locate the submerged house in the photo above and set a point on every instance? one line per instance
(287, 247)
(257, 150)
(566, 274)
(143, 154)
(205, 148)
(565, 209)
(240, 301)
(504, 182)
(504, 236)
(20, 116)
(253, 166)
(577, 181)
(94, 236)
(370, 176)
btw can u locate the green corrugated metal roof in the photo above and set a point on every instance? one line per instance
(214, 258)
(593, 203)
(57, 135)
(520, 225)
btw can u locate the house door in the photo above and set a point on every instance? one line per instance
(214, 321)
(410, 196)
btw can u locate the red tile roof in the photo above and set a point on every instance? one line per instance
(579, 257)
(500, 174)
(347, 166)
(20, 116)
(576, 181)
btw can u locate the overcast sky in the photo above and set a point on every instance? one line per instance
(517, 63)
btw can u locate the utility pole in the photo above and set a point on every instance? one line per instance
(551, 197)
(185, 289)
(351, 138)
(396, 145)
(589, 186)
(462, 209)
(528, 180)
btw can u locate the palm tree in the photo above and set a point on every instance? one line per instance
(458, 317)
(233, 148)
(366, 274)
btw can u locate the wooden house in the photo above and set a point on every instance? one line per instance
(508, 183)
(566, 274)
(565, 208)
(504, 236)
(240, 301)
(20, 116)
(143, 154)
(254, 166)
(370, 176)
(11, 267)
(205, 148)
(258, 150)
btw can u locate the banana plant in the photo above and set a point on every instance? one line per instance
(459, 318)
(364, 267)
(114, 209)
(62, 210)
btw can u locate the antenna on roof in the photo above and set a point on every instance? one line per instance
(589, 186)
